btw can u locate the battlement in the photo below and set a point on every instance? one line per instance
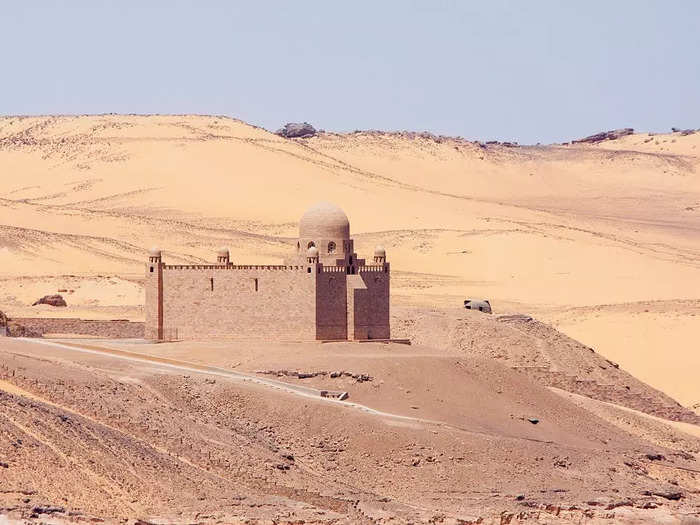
(372, 268)
(333, 269)
(232, 267)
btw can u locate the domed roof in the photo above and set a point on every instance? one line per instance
(379, 251)
(312, 252)
(222, 252)
(154, 252)
(324, 220)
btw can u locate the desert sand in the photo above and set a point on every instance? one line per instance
(601, 241)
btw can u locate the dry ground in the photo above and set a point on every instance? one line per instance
(425, 435)
(600, 241)
(553, 230)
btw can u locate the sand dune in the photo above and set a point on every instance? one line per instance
(543, 229)
(599, 240)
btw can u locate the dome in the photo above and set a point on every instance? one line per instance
(154, 252)
(324, 221)
(379, 251)
(312, 252)
(222, 252)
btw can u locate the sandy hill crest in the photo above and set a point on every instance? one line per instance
(599, 239)
(540, 229)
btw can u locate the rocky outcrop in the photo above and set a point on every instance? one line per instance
(53, 300)
(504, 144)
(604, 135)
(684, 132)
(297, 130)
(3, 324)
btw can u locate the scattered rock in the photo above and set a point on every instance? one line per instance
(533, 420)
(48, 509)
(683, 132)
(505, 144)
(625, 503)
(604, 135)
(684, 455)
(562, 462)
(360, 378)
(669, 495)
(335, 394)
(4, 465)
(296, 130)
(655, 457)
(514, 317)
(613, 364)
(52, 300)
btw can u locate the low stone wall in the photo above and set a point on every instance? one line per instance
(113, 329)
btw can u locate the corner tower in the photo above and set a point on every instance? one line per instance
(154, 295)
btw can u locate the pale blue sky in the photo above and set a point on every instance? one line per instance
(530, 71)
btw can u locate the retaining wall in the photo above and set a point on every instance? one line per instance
(113, 329)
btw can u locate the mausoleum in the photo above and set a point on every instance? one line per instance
(322, 292)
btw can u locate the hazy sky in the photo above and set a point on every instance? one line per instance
(530, 71)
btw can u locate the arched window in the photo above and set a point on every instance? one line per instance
(311, 243)
(298, 246)
(331, 247)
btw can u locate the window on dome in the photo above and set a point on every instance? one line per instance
(331, 247)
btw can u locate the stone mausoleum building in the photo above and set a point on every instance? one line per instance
(322, 292)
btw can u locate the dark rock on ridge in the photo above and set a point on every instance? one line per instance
(296, 130)
(683, 132)
(604, 135)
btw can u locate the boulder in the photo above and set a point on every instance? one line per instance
(605, 135)
(53, 300)
(296, 130)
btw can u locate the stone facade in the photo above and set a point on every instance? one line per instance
(322, 292)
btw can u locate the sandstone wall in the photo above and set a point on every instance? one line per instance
(113, 329)
(371, 304)
(238, 303)
(331, 306)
